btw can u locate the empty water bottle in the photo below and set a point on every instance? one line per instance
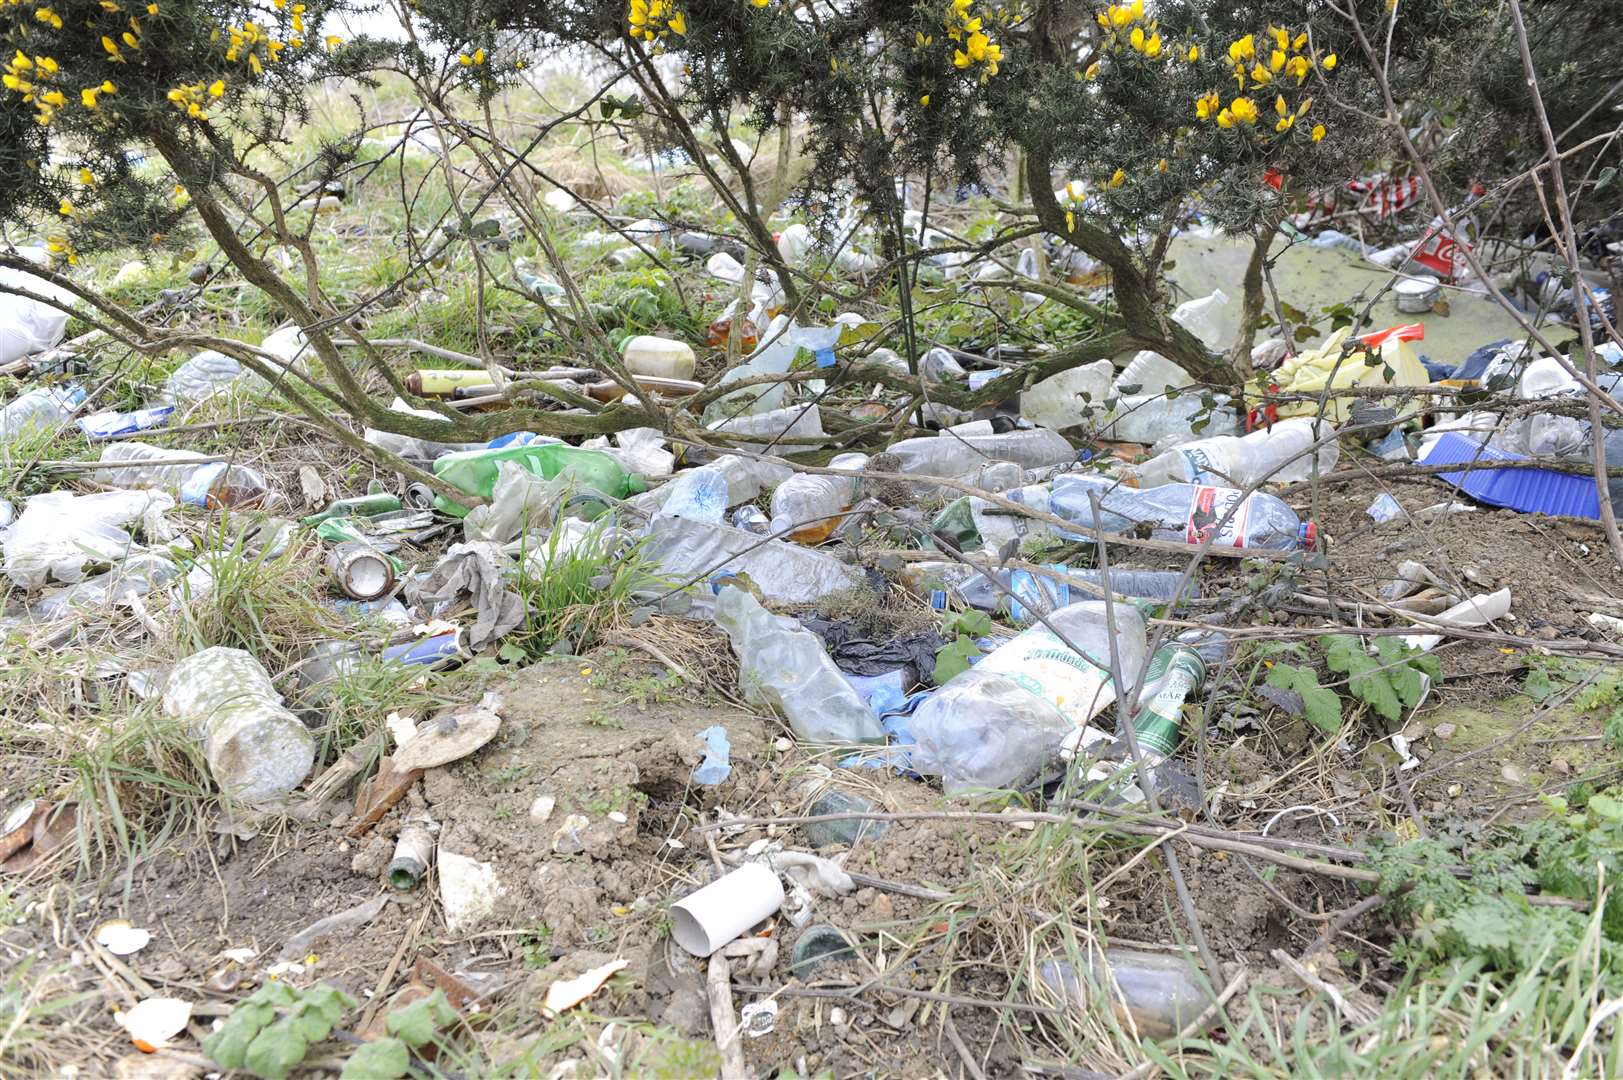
(40, 409)
(1191, 514)
(209, 484)
(1282, 453)
(998, 723)
(698, 495)
(200, 378)
(1144, 418)
(1157, 993)
(960, 456)
(785, 667)
(807, 508)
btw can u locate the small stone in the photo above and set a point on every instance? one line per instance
(617, 817)
(373, 856)
(568, 840)
(1513, 774)
(1445, 731)
(836, 1016)
(541, 809)
(1561, 766)
(1454, 790)
(882, 910)
(783, 745)
(756, 847)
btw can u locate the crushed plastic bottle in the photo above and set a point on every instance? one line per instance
(475, 472)
(1034, 593)
(1144, 418)
(211, 484)
(785, 667)
(40, 409)
(200, 378)
(806, 507)
(785, 573)
(794, 422)
(1280, 454)
(257, 751)
(1190, 513)
(960, 456)
(699, 495)
(106, 425)
(1069, 398)
(1000, 722)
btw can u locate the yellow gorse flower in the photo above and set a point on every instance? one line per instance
(963, 25)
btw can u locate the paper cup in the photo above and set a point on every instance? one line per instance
(708, 919)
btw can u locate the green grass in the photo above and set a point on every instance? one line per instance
(575, 594)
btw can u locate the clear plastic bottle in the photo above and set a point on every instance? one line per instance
(794, 422)
(1036, 594)
(698, 495)
(779, 347)
(806, 507)
(211, 484)
(1280, 453)
(785, 667)
(961, 455)
(39, 409)
(1146, 417)
(201, 377)
(1001, 721)
(1190, 513)
(1159, 993)
(1067, 399)
(257, 751)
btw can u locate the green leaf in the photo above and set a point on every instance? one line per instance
(383, 1059)
(953, 658)
(1366, 680)
(1320, 706)
(1537, 685)
(417, 1022)
(1604, 180)
(511, 653)
(275, 1051)
(1606, 806)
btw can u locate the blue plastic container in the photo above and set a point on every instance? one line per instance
(1533, 491)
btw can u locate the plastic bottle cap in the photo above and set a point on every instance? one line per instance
(1307, 533)
(636, 483)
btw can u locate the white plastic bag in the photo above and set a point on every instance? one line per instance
(28, 326)
(59, 534)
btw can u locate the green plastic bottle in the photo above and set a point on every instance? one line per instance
(475, 471)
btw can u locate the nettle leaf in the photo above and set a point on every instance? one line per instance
(383, 1059)
(1320, 705)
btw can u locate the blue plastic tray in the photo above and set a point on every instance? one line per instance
(1534, 491)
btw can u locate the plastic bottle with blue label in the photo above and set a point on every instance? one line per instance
(780, 345)
(106, 425)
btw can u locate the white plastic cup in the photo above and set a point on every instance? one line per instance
(724, 909)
